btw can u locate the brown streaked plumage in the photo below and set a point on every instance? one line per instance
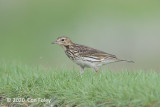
(85, 56)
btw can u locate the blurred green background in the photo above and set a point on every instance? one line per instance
(130, 29)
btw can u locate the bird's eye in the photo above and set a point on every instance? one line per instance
(62, 40)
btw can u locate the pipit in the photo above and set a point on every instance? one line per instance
(85, 56)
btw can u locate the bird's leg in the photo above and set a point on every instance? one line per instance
(82, 69)
(96, 69)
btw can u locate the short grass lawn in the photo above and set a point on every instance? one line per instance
(22, 85)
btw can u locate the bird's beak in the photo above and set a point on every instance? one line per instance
(55, 42)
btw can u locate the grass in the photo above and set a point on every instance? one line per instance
(68, 88)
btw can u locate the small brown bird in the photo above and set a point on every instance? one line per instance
(85, 56)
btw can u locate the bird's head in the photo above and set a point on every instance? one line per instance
(63, 41)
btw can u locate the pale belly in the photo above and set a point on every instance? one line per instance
(85, 63)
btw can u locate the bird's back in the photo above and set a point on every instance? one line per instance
(84, 52)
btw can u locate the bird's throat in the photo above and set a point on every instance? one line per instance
(65, 47)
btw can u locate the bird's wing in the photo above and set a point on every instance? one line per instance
(98, 55)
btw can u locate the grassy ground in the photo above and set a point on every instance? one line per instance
(69, 88)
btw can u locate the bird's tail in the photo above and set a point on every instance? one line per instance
(127, 61)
